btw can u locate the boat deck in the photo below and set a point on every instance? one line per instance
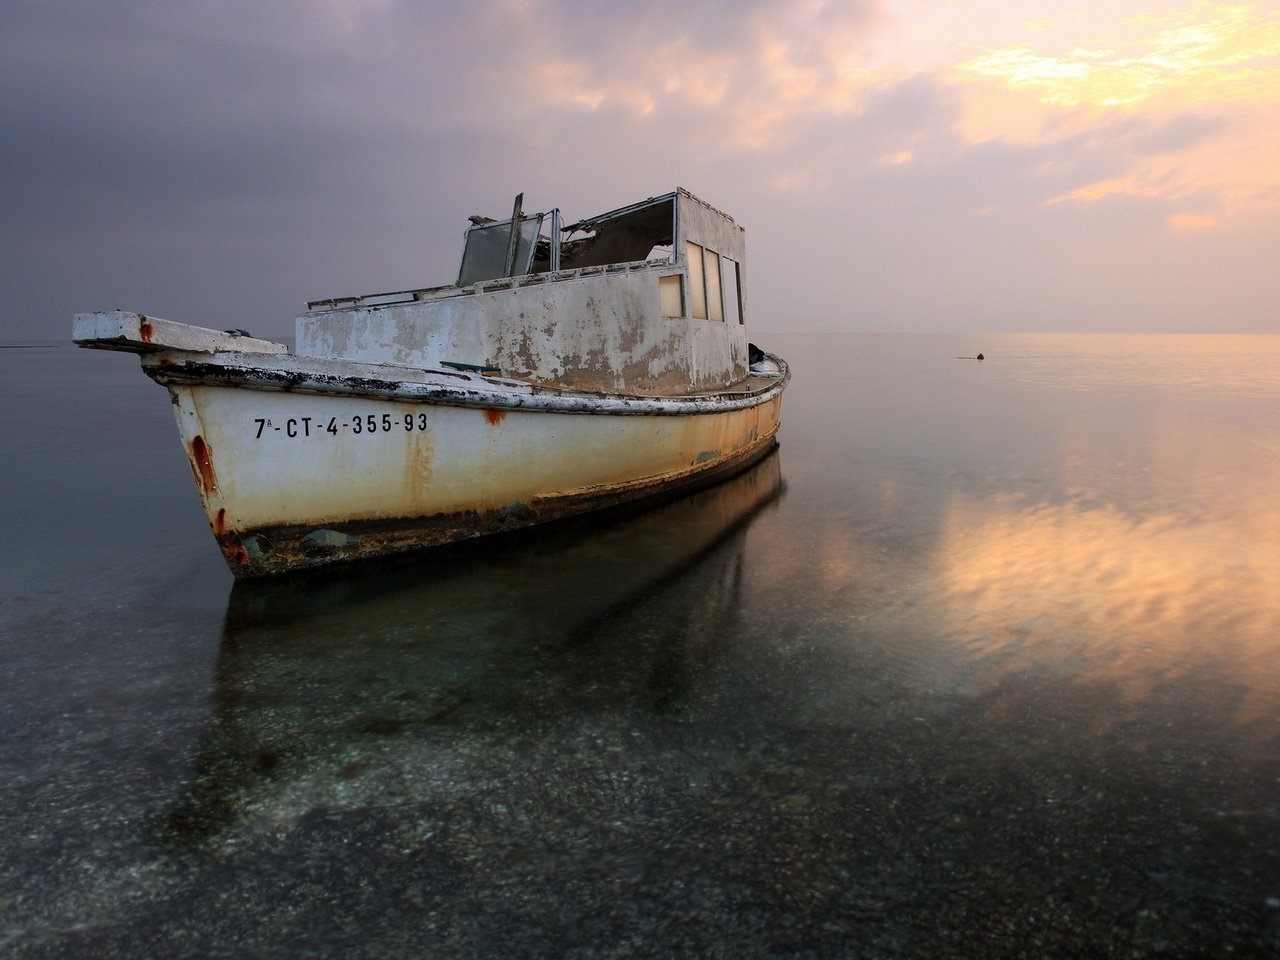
(337, 377)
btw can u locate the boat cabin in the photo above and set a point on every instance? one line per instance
(648, 298)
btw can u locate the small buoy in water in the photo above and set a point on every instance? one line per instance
(979, 357)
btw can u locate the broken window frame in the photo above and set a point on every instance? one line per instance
(486, 250)
(626, 235)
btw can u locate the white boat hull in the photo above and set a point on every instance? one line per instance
(295, 468)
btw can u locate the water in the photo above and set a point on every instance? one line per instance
(984, 663)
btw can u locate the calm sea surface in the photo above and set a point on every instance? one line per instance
(985, 663)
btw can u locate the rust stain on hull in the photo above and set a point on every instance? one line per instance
(236, 555)
(495, 417)
(202, 465)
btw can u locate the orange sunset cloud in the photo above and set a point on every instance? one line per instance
(1217, 65)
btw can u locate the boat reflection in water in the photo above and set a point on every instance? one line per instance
(416, 681)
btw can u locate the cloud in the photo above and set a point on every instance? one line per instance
(1203, 83)
(232, 159)
(1213, 52)
(208, 153)
(747, 69)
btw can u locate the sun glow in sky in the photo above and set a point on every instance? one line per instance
(1204, 61)
(922, 164)
(1216, 53)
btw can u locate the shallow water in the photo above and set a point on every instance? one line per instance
(984, 663)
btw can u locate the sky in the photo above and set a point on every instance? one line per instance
(899, 165)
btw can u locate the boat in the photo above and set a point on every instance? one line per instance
(569, 368)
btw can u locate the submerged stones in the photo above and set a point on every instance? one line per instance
(517, 512)
(257, 547)
(326, 541)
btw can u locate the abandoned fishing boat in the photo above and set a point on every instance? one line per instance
(577, 369)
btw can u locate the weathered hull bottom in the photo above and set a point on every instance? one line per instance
(271, 550)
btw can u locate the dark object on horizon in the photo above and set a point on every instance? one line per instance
(980, 357)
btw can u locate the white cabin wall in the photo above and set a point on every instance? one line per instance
(705, 225)
(602, 332)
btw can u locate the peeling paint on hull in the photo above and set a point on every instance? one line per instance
(303, 476)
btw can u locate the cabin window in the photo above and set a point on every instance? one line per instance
(732, 290)
(670, 296)
(705, 272)
(711, 270)
(485, 255)
(697, 284)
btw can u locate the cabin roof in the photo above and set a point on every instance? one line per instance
(625, 235)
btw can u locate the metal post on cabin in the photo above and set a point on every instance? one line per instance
(513, 244)
(554, 263)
